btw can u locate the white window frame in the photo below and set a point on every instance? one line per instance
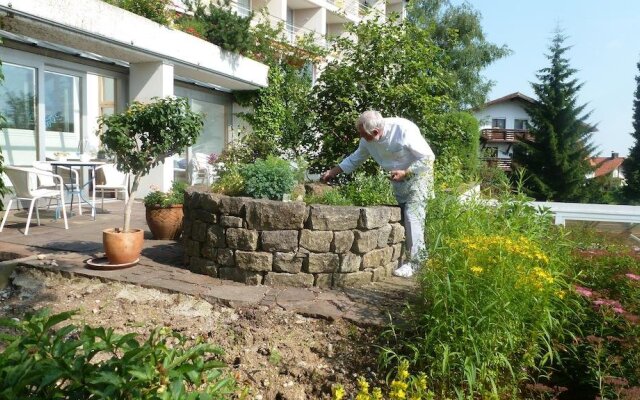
(44, 63)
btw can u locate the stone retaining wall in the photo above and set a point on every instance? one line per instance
(276, 243)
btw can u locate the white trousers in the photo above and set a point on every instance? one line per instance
(412, 196)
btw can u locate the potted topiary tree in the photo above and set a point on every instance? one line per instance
(141, 138)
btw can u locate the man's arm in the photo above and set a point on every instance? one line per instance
(425, 157)
(348, 165)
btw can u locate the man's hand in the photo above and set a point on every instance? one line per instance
(330, 174)
(398, 175)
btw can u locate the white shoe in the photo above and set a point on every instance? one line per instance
(405, 271)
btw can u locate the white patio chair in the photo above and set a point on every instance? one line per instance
(72, 186)
(113, 179)
(25, 187)
(201, 170)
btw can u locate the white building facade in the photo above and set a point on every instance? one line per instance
(67, 62)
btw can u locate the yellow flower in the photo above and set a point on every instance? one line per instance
(337, 392)
(476, 270)
(422, 381)
(398, 390)
(363, 385)
(376, 394)
(403, 370)
(560, 294)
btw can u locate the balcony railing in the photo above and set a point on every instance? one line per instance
(502, 163)
(293, 33)
(350, 8)
(505, 135)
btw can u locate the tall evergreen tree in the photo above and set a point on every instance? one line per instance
(631, 166)
(556, 160)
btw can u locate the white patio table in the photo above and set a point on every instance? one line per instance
(91, 166)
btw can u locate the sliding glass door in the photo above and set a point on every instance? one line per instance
(62, 113)
(18, 105)
(216, 109)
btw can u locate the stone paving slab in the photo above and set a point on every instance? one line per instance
(160, 267)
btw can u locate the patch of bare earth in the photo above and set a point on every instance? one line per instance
(277, 354)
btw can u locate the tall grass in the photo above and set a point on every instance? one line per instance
(493, 298)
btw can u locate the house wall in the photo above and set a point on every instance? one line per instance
(510, 110)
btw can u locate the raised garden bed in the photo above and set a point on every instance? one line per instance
(289, 243)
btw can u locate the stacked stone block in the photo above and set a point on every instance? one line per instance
(277, 243)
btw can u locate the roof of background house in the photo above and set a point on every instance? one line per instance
(510, 97)
(605, 165)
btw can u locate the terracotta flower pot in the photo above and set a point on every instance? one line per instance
(122, 247)
(165, 223)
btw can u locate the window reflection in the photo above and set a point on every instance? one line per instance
(17, 96)
(59, 104)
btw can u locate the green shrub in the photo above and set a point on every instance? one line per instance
(268, 179)
(369, 190)
(222, 26)
(231, 182)
(174, 196)
(155, 10)
(95, 363)
(494, 182)
(330, 197)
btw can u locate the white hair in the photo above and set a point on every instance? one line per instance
(370, 120)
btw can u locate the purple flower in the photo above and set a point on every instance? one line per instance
(633, 276)
(212, 158)
(583, 291)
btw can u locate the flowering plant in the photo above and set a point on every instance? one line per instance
(213, 158)
(174, 196)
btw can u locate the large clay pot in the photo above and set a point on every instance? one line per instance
(165, 223)
(122, 247)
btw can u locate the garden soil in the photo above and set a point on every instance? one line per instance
(275, 353)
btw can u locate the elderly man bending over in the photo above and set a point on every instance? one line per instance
(398, 147)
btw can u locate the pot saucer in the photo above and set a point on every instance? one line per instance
(102, 263)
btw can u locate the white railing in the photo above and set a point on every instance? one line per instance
(590, 212)
(570, 211)
(293, 33)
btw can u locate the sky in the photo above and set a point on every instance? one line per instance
(604, 36)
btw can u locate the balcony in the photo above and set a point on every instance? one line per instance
(292, 33)
(348, 8)
(505, 135)
(502, 163)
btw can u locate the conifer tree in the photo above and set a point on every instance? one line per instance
(631, 166)
(556, 160)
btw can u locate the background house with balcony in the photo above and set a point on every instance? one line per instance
(503, 121)
(67, 62)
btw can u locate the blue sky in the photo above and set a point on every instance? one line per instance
(605, 40)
